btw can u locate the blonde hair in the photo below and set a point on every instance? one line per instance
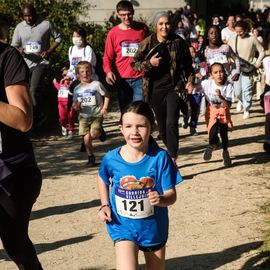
(84, 64)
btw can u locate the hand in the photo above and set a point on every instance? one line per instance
(45, 54)
(110, 78)
(155, 60)
(21, 50)
(257, 65)
(154, 197)
(76, 105)
(103, 111)
(54, 81)
(235, 77)
(218, 93)
(105, 214)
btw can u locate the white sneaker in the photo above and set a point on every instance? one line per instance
(246, 114)
(239, 106)
(64, 131)
(70, 134)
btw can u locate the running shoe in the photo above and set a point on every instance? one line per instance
(193, 131)
(208, 153)
(91, 161)
(64, 131)
(70, 134)
(239, 106)
(246, 114)
(226, 158)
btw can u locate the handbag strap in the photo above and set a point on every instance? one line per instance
(236, 38)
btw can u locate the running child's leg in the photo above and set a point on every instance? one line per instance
(155, 260)
(126, 255)
(223, 128)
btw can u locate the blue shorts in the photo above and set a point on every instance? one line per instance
(143, 248)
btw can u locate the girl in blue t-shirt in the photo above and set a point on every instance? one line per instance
(136, 183)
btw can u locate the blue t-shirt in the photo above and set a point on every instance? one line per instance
(132, 216)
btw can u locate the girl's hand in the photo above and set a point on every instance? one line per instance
(235, 77)
(154, 197)
(105, 214)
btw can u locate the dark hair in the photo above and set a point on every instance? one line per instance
(206, 42)
(124, 5)
(81, 31)
(142, 108)
(31, 8)
(242, 24)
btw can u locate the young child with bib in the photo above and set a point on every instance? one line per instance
(136, 185)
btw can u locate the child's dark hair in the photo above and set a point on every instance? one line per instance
(124, 5)
(218, 64)
(142, 108)
(81, 31)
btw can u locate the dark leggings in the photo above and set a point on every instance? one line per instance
(166, 107)
(14, 229)
(37, 75)
(223, 130)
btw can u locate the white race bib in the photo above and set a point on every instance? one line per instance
(33, 47)
(129, 49)
(218, 58)
(63, 92)
(87, 99)
(133, 203)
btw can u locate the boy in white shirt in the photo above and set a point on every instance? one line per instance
(91, 99)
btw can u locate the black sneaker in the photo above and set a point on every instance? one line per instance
(226, 158)
(91, 161)
(103, 135)
(208, 153)
(82, 148)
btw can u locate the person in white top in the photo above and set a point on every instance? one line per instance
(229, 31)
(80, 51)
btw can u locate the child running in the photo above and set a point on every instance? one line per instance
(65, 110)
(136, 183)
(88, 100)
(219, 94)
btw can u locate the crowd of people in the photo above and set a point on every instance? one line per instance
(182, 69)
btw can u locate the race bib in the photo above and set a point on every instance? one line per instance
(63, 92)
(133, 203)
(218, 58)
(129, 49)
(75, 61)
(87, 99)
(33, 47)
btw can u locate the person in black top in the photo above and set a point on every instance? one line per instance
(20, 177)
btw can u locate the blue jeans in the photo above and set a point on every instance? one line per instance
(129, 90)
(243, 90)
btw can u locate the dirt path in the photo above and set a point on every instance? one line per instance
(216, 222)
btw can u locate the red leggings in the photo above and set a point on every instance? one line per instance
(66, 115)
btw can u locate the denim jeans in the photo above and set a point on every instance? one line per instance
(129, 90)
(243, 90)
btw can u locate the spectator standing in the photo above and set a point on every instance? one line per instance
(32, 38)
(20, 178)
(246, 47)
(121, 44)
